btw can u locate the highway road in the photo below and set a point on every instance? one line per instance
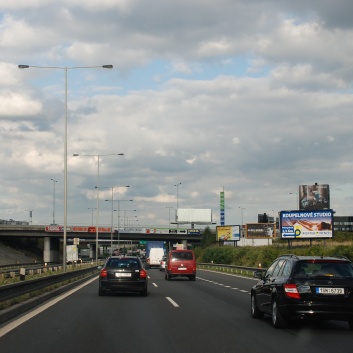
(209, 315)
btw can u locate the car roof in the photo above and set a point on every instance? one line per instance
(303, 257)
(123, 257)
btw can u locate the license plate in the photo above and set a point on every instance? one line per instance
(328, 290)
(123, 275)
(182, 268)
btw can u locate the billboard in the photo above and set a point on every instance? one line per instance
(306, 224)
(314, 197)
(228, 233)
(192, 215)
(260, 230)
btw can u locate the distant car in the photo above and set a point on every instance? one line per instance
(123, 274)
(304, 287)
(162, 263)
(180, 263)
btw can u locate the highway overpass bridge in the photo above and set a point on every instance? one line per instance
(53, 236)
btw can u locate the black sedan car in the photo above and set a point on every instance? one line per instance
(123, 274)
(304, 287)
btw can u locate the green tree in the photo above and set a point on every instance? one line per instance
(208, 237)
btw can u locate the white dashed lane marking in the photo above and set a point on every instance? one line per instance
(223, 285)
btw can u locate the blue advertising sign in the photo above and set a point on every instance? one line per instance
(306, 224)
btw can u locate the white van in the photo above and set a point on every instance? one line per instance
(155, 257)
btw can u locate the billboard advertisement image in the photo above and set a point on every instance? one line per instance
(260, 230)
(306, 224)
(314, 197)
(228, 233)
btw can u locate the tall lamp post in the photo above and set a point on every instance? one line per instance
(242, 218)
(92, 208)
(65, 68)
(169, 207)
(111, 228)
(119, 218)
(295, 193)
(97, 189)
(54, 182)
(128, 222)
(177, 197)
(127, 217)
(30, 215)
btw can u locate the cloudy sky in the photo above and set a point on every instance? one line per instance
(250, 97)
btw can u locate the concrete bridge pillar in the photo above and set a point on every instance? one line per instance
(51, 249)
(92, 251)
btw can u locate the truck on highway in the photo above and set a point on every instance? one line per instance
(154, 252)
(72, 254)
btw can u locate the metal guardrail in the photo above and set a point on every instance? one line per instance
(13, 270)
(242, 270)
(11, 291)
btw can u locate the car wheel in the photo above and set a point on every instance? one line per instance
(278, 321)
(192, 278)
(101, 292)
(350, 323)
(144, 293)
(255, 312)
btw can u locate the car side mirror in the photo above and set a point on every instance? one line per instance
(259, 274)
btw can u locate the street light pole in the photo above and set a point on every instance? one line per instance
(295, 193)
(54, 182)
(177, 195)
(242, 217)
(169, 213)
(92, 208)
(97, 187)
(128, 221)
(125, 214)
(30, 215)
(65, 68)
(119, 220)
(112, 201)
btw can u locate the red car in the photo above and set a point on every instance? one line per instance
(181, 263)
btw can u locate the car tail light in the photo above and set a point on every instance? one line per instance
(143, 273)
(104, 273)
(291, 291)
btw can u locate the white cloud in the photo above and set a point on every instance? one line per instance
(252, 96)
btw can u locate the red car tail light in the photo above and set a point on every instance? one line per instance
(143, 273)
(291, 291)
(104, 272)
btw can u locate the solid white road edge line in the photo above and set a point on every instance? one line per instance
(12, 325)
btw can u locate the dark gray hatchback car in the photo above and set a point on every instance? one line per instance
(304, 287)
(123, 274)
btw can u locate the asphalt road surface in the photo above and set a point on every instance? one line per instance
(211, 314)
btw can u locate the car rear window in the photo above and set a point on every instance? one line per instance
(123, 263)
(182, 255)
(307, 269)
